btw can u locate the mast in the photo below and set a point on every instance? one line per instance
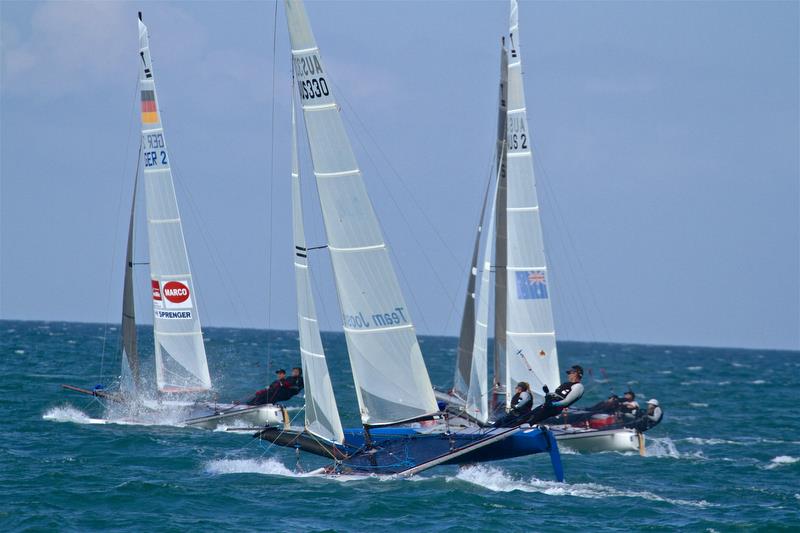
(321, 414)
(531, 341)
(466, 338)
(392, 383)
(501, 237)
(130, 354)
(180, 355)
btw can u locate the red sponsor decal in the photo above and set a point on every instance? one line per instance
(176, 292)
(156, 290)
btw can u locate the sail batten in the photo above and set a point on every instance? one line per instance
(181, 364)
(392, 383)
(531, 354)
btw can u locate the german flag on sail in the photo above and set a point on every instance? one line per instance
(149, 111)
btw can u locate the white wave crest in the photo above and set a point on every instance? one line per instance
(781, 460)
(67, 413)
(698, 404)
(497, 480)
(709, 442)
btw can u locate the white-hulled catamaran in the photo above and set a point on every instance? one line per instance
(183, 383)
(524, 332)
(404, 431)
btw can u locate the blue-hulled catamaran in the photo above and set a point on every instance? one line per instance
(403, 429)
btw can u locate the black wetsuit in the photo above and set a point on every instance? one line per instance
(647, 421)
(295, 384)
(519, 411)
(278, 391)
(547, 409)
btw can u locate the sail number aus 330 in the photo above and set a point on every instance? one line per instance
(313, 88)
(310, 83)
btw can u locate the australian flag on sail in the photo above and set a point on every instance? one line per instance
(531, 285)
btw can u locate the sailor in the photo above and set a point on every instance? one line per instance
(629, 407)
(565, 395)
(521, 404)
(296, 381)
(651, 418)
(610, 405)
(278, 391)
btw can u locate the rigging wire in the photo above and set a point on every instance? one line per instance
(116, 225)
(403, 216)
(571, 247)
(271, 180)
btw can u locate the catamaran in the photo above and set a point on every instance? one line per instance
(524, 333)
(403, 430)
(183, 382)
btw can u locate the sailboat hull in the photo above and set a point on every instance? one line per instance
(525, 442)
(592, 441)
(235, 415)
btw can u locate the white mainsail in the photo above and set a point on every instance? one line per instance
(130, 354)
(501, 232)
(478, 393)
(391, 379)
(466, 337)
(180, 355)
(530, 336)
(322, 415)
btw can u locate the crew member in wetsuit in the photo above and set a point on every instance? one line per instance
(649, 419)
(610, 405)
(565, 395)
(629, 407)
(278, 391)
(295, 381)
(521, 404)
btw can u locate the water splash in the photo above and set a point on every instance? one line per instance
(497, 480)
(270, 466)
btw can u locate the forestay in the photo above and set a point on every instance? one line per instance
(181, 364)
(392, 383)
(530, 337)
(322, 416)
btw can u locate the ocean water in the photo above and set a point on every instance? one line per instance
(726, 457)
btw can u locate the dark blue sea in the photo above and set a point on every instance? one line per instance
(726, 457)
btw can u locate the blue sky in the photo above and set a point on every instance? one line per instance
(665, 134)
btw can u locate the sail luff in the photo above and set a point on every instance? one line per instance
(531, 341)
(466, 338)
(181, 364)
(501, 236)
(130, 354)
(321, 414)
(392, 382)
